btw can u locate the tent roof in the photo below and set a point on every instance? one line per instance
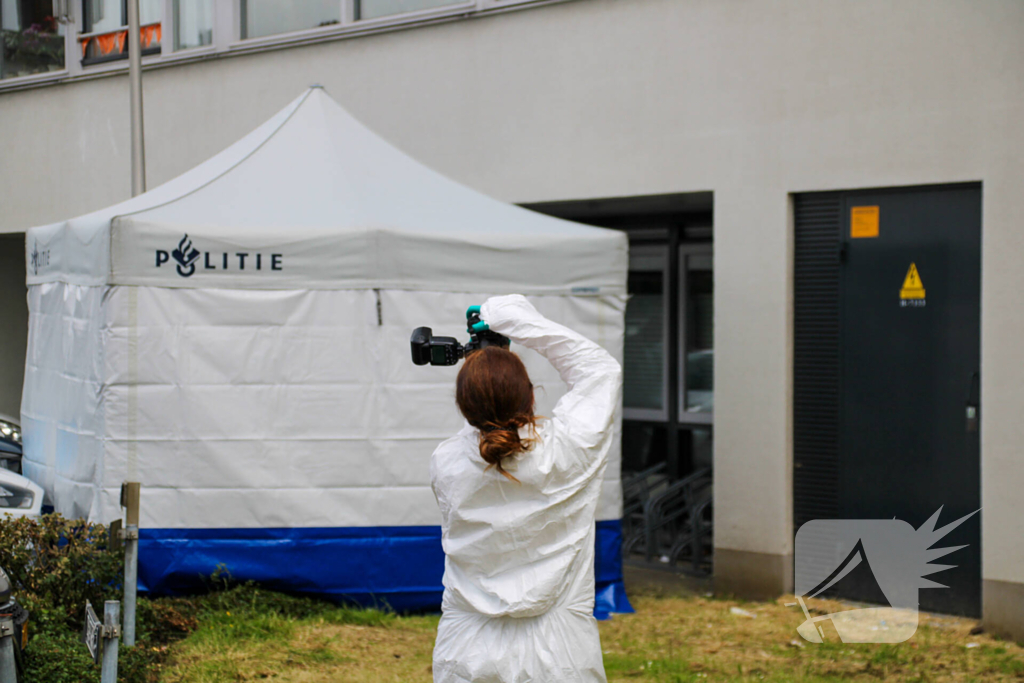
(324, 202)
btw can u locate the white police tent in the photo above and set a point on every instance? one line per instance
(237, 340)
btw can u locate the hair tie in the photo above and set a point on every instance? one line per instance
(488, 430)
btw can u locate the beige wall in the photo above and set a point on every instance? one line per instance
(751, 99)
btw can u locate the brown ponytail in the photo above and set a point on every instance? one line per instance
(495, 395)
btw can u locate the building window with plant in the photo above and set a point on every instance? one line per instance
(31, 37)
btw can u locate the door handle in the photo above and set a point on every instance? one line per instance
(973, 400)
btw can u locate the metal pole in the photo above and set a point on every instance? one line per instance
(131, 567)
(111, 616)
(8, 663)
(131, 558)
(135, 94)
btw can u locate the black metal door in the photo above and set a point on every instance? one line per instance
(909, 422)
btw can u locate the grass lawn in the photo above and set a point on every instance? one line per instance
(675, 635)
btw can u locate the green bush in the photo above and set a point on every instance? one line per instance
(56, 564)
(59, 657)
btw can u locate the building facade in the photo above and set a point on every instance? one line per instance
(721, 134)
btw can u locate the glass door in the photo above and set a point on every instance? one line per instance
(645, 366)
(696, 334)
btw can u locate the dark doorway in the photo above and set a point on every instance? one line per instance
(668, 392)
(887, 362)
(668, 374)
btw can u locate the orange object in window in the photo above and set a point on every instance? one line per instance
(115, 42)
(150, 35)
(107, 42)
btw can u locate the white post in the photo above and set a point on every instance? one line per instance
(135, 94)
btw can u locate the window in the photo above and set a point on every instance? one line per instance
(32, 40)
(56, 40)
(193, 23)
(645, 367)
(371, 9)
(101, 16)
(268, 17)
(104, 35)
(644, 358)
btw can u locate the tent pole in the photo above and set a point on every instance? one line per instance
(135, 95)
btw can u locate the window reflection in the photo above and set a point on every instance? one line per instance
(699, 330)
(31, 39)
(644, 353)
(193, 23)
(371, 9)
(99, 16)
(268, 17)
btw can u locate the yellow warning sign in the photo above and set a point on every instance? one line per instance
(913, 288)
(864, 221)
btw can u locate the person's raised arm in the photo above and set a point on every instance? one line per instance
(594, 378)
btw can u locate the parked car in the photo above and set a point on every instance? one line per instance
(10, 444)
(19, 496)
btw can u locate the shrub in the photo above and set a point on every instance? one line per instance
(59, 657)
(56, 564)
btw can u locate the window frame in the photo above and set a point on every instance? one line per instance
(170, 26)
(686, 250)
(651, 253)
(349, 24)
(227, 40)
(287, 36)
(415, 15)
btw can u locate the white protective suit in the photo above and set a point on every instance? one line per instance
(518, 601)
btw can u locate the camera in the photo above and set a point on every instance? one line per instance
(426, 348)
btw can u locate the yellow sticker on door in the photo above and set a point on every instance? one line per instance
(913, 288)
(863, 222)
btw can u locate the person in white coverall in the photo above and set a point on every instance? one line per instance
(518, 496)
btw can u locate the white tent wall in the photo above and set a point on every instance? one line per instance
(273, 420)
(265, 408)
(61, 406)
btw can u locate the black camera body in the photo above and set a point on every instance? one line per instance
(426, 348)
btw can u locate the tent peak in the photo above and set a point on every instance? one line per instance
(340, 207)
